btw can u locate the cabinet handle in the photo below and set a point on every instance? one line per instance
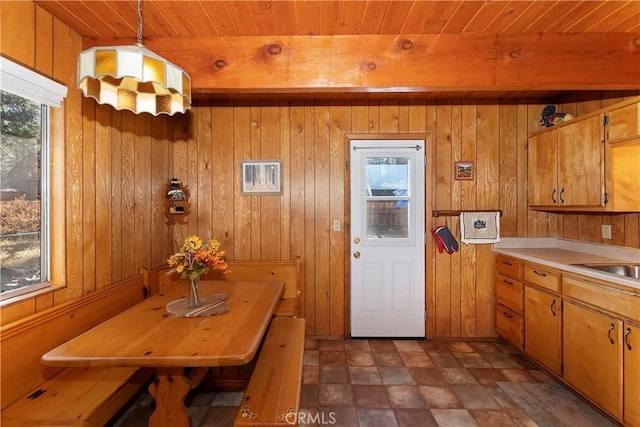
(553, 307)
(553, 196)
(506, 263)
(507, 282)
(626, 338)
(561, 193)
(611, 328)
(507, 315)
(540, 274)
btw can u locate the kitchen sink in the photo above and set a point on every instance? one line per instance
(627, 270)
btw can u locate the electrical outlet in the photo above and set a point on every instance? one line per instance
(606, 232)
(336, 225)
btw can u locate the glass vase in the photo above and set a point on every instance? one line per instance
(194, 292)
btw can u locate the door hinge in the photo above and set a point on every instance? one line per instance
(605, 199)
(605, 121)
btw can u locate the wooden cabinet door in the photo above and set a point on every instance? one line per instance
(580, 163)
(592, 352)
(623, 175)
(542, 326)
(623, 122)
(543, 169)
(632, 374)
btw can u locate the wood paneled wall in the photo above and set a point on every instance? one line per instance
(108, 171)
(309, 138)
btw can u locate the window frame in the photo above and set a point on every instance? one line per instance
(45, 206)
(26, 83)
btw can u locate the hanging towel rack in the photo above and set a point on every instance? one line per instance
(438, 213)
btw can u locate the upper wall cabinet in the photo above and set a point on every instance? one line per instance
(566, 166)
(543, 169)
(589, 163)
(622, 130)
(623, 121)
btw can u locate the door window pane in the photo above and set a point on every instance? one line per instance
(387, 197)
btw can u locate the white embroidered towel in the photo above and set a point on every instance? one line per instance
(479, 227)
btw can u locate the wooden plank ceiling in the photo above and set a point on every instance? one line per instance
(333, 48)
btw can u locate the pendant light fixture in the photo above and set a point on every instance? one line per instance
(134, 78)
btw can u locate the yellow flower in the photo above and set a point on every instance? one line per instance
(194, 242)
(197, 257)
(214, 244)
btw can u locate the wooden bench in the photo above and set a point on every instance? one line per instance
(272, 397)
(36, 395)
(287, 271)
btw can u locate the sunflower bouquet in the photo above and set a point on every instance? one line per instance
(197, 257)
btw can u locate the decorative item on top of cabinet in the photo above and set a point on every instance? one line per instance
(509, 298)
(176, 202)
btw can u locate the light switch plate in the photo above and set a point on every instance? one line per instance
(606, 232)
(336, 225)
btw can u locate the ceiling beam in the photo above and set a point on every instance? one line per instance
(405, 63)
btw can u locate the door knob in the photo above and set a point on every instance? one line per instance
(356, 240)
(356, 254)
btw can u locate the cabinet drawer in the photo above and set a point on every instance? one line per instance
(509, 326)
(623, 303)
(509, 267)
(509, 293)
(542, 277)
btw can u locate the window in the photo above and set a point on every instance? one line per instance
(387, 197)
(23, 196)
(26, 98)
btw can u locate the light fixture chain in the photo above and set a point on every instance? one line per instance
(139, 21)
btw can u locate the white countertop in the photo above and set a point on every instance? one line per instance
(561, 254)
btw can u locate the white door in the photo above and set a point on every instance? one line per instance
(387, 238)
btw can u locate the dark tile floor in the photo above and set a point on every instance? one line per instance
(371, 383)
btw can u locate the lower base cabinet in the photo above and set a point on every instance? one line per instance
(631, 374)
(584, 331)
(542, 327)
(593, 356)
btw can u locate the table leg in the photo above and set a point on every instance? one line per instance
(169, 390)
